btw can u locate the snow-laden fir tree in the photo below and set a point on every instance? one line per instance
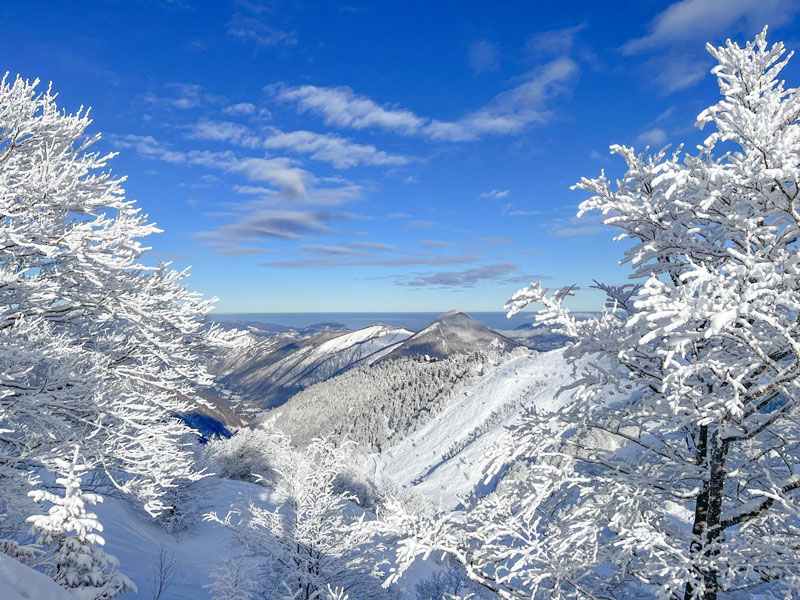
(71, 531)
(675, 473)
(97, 348)
(312, 545)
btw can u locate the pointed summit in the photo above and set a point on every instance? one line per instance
(451, 333)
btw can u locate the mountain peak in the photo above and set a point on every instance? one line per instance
(451, 333)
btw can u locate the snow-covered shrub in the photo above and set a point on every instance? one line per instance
(248, 455)
(233, 580)
(313, 540)
(449, 582)
(68, 530)
(185, 504)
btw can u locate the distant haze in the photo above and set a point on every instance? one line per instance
(353, 320)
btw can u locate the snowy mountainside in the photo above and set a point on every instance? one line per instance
(446, 457)
(449, 334)
(375, 405)
(269, 371)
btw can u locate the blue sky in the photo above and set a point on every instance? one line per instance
(380, 156)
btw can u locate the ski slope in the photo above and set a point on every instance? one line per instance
(446, 458)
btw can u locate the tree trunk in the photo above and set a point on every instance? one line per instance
(712, 454)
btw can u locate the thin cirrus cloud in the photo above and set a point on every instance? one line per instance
(336, 260)
(483, 56)
(435, 244)
(244, 109)
(495, 194)
(378, 246)
(292, 183)
(420, 224)
(509, 211)
(652, 137)
(338, 151)
(273, 224)
(341, 152)
(555, 41)
(248, 24)
(588, 224)
(508, 112)
(678, 62)
(467, 278)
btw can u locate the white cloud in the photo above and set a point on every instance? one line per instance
(377, 246)
(224, 131)
(483, 57)
(508, 112)
(340, 152)
(510, 211)
(343, 107)
(148, 147)
(555, 41)
(702, 19)
(677, 35)
(495, 194)
(507, 271)
(242, 108)
(652, 137)
(251, 28)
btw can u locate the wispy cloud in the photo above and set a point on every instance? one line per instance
(241, 109)
(468, 278)
(420, 224)
(377, 246)
(342, 107)
(341, 152)
(224, 131)
(183, 96)
(435, 244)
(148, 147)
(336, 261)
(495, 194)
(250, 23)
(508, 112)
(588, 224)
(509, 211)
(331, 250)
(677, 34)
(653, 137)
(273, 224)
(483, 57)
(493, 240)
(557, 42)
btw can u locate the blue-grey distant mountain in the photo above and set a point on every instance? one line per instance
(263, 329)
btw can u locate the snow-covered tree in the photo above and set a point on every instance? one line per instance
(71, 532)
(676, 470)
(97, 348)
(312, 540)
(233, 580)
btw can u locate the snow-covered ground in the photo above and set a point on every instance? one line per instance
(18, 582)
(446, 457)
(137, 543)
